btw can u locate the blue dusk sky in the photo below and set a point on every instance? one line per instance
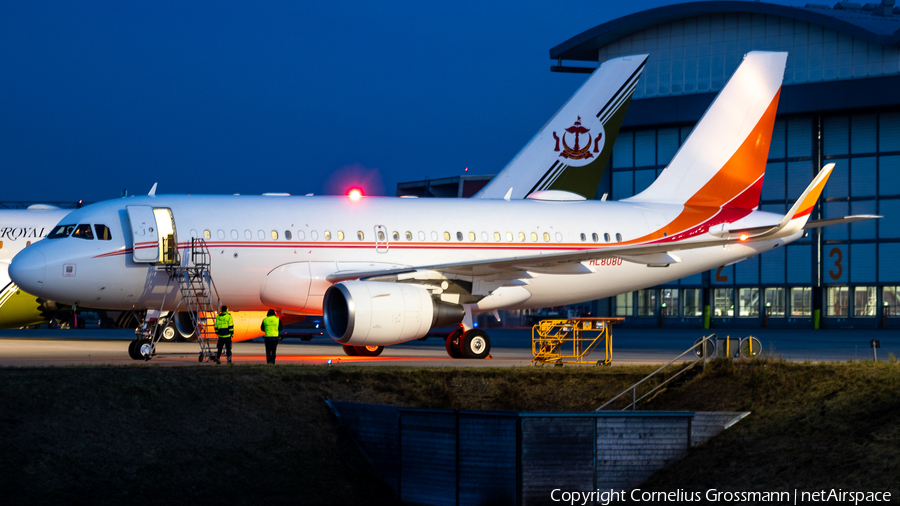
(252, 97)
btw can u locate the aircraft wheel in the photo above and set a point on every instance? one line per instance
(475, 344)
(133, 350)
(453, 343)
(369, 351)
(145, 349)
(350, 351)
(168, 334)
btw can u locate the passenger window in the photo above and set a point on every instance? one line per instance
(421, 235)
(262, 235)
(497, 236)
(314, 235)
(472, 236)
(434, 236)
(546, 237)
(360, 235)
(559, 237)
(301, 235)
(534, 237)
(234, 234)
(193, 233)
(248, 235)
(408, 235)
(618, 237)
(583, 237)
(446, 236)
(103, 232)
(484, 237)
(459, 236)
(327, 235)
(220, 234)
(206, 234)
(509, 236)
(606, 237)
(287, 235)
(61, 232)
(395, 235)
(340, 235)
(381, 236)
(83, 232)
(275, 235)
(521, 236)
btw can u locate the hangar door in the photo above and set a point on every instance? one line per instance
(153, 231)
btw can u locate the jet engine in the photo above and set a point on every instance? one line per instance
(372, 313)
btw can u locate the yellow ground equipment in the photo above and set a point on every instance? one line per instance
(550, 340)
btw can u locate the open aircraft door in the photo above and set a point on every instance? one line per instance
(153, 231)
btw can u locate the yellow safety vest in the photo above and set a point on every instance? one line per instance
(224, 324)
(270, 323)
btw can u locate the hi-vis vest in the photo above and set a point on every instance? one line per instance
(270, 324)
(224, 324)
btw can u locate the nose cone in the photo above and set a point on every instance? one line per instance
(28, 270)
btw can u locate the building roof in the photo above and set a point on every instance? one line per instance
(861, 21)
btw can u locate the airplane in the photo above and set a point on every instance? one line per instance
(20, 228)
(384, 271)
(590, 121)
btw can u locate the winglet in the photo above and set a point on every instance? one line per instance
(153, 190)
(803, 207)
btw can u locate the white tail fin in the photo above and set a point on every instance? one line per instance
(571, 151)
(723, 161)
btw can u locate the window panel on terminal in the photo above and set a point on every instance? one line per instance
(103, 232)
(83, 232)
(61, 231)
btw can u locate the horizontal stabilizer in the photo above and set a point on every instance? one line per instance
(840, 221)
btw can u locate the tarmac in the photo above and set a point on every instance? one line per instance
(510, 348)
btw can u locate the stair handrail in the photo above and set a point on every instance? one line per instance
(633, 388)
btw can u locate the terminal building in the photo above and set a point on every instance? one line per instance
(840, 103)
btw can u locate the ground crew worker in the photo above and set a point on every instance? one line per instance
(225, 330)
(271, 325)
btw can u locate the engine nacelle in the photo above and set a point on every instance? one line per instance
(372, 313)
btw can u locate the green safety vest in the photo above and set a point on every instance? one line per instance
(224, 325)
(270, 323)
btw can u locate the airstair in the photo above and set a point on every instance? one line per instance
(199, 298)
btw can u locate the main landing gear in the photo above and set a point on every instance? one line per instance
(472, 343)
(362, 351)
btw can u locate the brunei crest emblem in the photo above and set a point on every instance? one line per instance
(576, 151)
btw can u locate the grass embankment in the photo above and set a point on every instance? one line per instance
(248, 433)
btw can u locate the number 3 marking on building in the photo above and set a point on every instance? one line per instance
(837, 263)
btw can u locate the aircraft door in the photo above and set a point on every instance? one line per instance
(381, 239)
(153, 231)
(145, 234)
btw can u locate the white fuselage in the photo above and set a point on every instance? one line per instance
(247, 239)
(20, 228)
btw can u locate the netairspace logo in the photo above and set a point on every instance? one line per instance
(606, 497)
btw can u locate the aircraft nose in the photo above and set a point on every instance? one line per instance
(28, 270)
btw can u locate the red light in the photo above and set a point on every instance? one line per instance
(354, 194)
(744, 237)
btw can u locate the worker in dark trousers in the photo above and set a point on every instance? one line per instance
(271, 325)
(225, 331)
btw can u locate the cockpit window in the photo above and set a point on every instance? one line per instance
(61, 231)
(83, 232)
(103, 232)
